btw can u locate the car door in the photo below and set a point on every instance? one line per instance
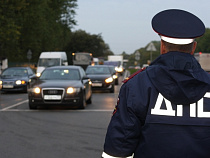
(86, 81)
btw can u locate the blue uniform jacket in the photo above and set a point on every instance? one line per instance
(163, 112)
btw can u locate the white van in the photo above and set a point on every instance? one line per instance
(95, 61)
(47, 59)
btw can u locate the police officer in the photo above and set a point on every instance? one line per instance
(164, 110)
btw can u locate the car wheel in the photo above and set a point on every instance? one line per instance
(112, 89)
(32, 106)
(83, 102)
(27, 88)
(116, 82)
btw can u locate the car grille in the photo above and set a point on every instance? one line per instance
(52, 92)
(8, 82)
(54, 95)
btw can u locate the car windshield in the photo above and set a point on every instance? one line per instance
(112, 69)
(60, 74)
(97, 70)
(49, 62)
(14, 72)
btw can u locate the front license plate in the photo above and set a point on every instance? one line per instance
(8, 86)
(97, 84)
(52, 97)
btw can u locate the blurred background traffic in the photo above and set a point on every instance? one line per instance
(29, 28)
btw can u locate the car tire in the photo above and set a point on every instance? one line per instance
(112, 89)
(116, 82)
(27, 88)
(32, 106)
(83, 102)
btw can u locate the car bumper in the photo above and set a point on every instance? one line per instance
(67, 100)
(15, 88)
(103, 86)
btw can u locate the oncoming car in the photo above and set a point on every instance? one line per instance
(101, 77)
(61, 85)
(15, 79)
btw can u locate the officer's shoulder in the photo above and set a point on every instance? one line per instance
(134, 74)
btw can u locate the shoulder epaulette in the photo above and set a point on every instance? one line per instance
(134, 74)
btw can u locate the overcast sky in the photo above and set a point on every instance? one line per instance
(125, 25)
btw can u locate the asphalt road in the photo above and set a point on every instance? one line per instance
(54, 132)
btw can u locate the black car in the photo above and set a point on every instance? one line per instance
(16, 79)
(61, 85)
(101, 77)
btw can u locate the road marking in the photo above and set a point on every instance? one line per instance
(12, 106)
(9, 108)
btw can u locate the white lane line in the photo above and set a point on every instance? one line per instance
(9, 108)
(12, 106)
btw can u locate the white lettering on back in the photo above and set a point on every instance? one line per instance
(168, 111)
(200, 107)
(179, 112)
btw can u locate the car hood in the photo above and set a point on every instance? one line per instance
(99, 76)
(58, 83)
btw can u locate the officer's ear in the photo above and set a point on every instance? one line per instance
(194, 47)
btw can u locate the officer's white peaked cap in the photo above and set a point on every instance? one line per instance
(177, 26)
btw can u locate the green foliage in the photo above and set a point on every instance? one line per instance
(203, 43)
(39, 25)
(145, 55)
(44, 25)
(80, 41)
(10, 30)
(132, 71)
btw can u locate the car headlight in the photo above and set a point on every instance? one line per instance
(120, 69)
(71, 90)
(114, 76)
(19, 82)
(109, 80)
(37, 90)
(38, 74)
(90, 83)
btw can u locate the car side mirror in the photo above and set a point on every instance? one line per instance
(85, 78)
(33, 80)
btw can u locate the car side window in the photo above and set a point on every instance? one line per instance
(82, 73)
(30, 72)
